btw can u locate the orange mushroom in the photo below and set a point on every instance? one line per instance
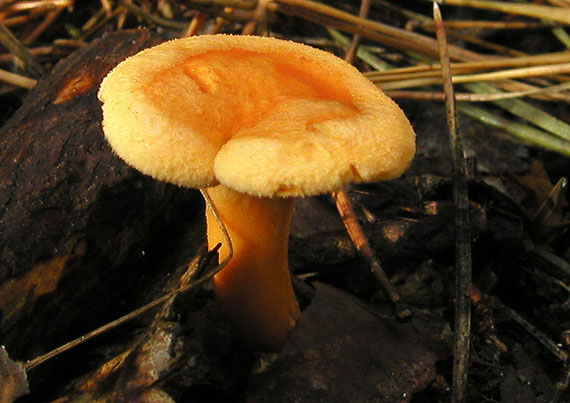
(256, 121)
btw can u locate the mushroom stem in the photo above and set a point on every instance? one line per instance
(255, 287)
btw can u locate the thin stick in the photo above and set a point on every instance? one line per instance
(351, 52)
(361, 243)
(345, 209)
(137, 312)
(210, 205)
(107, 327)
(462, 225)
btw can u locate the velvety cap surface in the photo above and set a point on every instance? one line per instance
(260, 115)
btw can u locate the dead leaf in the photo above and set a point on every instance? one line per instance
(343, 351)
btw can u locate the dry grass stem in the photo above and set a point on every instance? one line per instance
(39, 51)
(408, 39)
(483, 25)
(19, 20)
(467, 67)
(524, 132)
(195, 25)
(463, 261)
(14, 45)
(526, 72)
(153, 18)
(93, 20)
(18, 6)
(558, 14)
(93, 25)
(468, 97)
(560, 3)
(258, 20)
(526, 111)
(41, 27)
(245, 4)
(106, 5)
(17, 80)
(491, 47)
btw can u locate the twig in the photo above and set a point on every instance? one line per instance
(107, 327)
(355, 42)
(361, 243)
(187, 281)
(462, 225)
(344, 206)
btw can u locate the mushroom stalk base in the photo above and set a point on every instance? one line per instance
(255, 287)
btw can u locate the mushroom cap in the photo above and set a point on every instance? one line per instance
(260, 115)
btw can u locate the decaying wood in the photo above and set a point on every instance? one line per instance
(75, 222)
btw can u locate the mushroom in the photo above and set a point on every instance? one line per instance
(256, 122)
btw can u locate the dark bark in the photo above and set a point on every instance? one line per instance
(76, 223)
